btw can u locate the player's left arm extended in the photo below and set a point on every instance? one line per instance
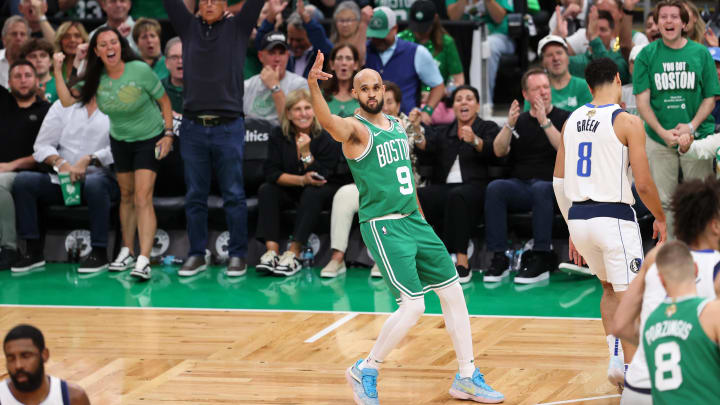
(626, 320)
(559, 178)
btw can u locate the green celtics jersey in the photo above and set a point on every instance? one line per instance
(383, 173)
(683, 362)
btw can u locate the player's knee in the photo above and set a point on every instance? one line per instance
(414, 308)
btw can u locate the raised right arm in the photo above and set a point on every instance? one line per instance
(340, 129)
(179, 14)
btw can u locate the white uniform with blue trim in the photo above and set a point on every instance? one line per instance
(601, 221)
(637, 377)
(58, 395)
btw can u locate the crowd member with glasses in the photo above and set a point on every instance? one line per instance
(350, 26)
(213, 128)
(173, 83)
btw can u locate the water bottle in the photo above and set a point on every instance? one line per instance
(510, 254)
(518, 257)
(307, 257)
(170, 260)
(530, 24)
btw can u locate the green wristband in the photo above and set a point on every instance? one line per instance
(429, 110)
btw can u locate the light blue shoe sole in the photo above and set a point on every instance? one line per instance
(352, 381)
(464, 395)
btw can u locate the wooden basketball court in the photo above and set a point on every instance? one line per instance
(177, 356)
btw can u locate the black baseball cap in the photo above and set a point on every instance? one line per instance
(421, 16)
(273, 39)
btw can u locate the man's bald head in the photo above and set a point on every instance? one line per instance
(366, 76)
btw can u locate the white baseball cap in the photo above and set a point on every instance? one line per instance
(549, 40)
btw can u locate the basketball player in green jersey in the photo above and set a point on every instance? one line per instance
(411, 257)
(681, 335)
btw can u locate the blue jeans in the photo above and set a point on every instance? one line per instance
(499, 44)
(218, 150)
(517, 195)
(98, 191)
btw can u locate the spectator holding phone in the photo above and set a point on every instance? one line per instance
(300, 156)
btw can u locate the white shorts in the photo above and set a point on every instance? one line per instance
(607, 235)
(632, 397)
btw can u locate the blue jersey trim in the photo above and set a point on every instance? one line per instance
(598, 106)
(65, 392)
(615, 114)
(592, 209)
(716, 271)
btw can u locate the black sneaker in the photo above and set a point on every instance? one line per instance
(28, 262)
(143, 274)
(464, 274)
(268, 262)
(94, 262)
(499, 268)
(287, 265)
(8, 257)
(535, 267)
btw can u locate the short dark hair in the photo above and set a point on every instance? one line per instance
(605, 15)
(684, 16)
(394, 89)
(532, 71)
(24, 331)
(22, 62)
(694, 204)
(36, 44)
(464, 87)
(600, 71)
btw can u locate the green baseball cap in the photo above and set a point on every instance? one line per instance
(383, 20)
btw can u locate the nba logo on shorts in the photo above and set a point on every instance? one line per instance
(635, 265)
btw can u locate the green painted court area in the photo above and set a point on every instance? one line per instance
(60, 284)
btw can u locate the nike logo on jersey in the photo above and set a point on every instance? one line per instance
(376, 133)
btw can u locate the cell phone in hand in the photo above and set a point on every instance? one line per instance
(158, 151)
(317, 176)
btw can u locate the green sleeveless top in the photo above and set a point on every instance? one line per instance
(383, 173)
(683, 362)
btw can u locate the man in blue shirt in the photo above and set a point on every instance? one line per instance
(389, 56)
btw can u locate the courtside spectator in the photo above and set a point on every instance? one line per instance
(529, 140)
(73, 140)
(39, 52)
(173, 83)
(68, 40)
(22, 114)
(392, 57)
(301, 155)
(118, 17)
(350, 25)
(15, 32)
(146, 34)
(338, 89)
(264, 95)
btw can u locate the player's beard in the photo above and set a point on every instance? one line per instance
(371, 110)
(34, 380)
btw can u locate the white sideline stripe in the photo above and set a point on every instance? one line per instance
(280, 310)
(332, 327)
(570, 401)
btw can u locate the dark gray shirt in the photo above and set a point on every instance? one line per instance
(213, 57)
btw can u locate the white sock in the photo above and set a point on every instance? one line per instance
(614, 346)
(370, 362)
(141, 262)
(124, 251)
(457, 323)
(395, 329)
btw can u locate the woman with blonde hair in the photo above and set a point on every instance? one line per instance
(69, 37)
(301, 155)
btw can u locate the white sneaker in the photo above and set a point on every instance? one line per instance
(123, 261)
(142, 268)
(375, 271)
(572, 268)
(268, 261)
(287, 265)
(333, 269)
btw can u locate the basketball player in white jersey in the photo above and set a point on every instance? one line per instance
(25, 357)
(696, 209)
(592, 187)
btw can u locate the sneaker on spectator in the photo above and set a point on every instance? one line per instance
(27, 262)
(8, 257)
(94, 262)
(535, 266)
(499, 268)
(573, 269)
(464, 274)
(287, 265)
(363, 383)
(192, 266)
(475, 389)
(268, 261)
(236, 267)
(375, 271)
(142, 268)
(334, 268)
(123, 261)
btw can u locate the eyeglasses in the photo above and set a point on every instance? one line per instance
(347, 21)
(174, 58)
(213, 2)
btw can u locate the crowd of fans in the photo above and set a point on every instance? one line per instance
(100, 107)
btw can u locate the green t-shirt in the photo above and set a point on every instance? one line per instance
(175, 93)
(570, 97)
(252, 63)
(129, 102)
(447, 59)
(679, 80)
(51, 90)
(597, 50)
(160, 68)
(683, 362)
(474, 11)
(343, 108)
